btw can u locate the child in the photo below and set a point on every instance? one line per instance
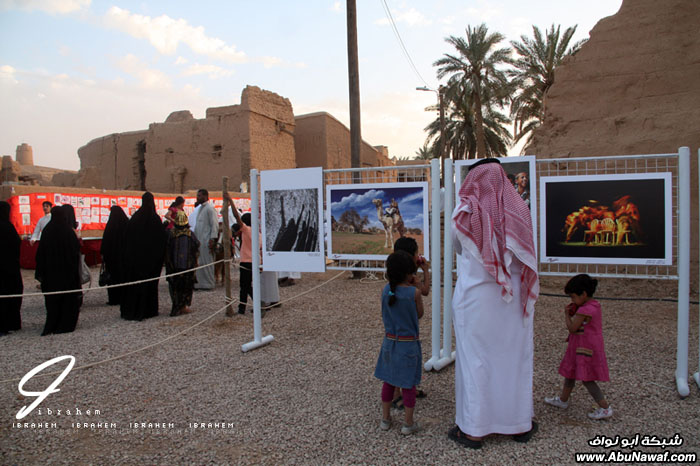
(409, 245)
(584, 359)
(400, 358)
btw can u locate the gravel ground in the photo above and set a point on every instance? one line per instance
(310, 397)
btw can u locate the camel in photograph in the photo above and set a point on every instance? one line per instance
(390, 221)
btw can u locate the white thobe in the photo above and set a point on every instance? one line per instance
(269, 289)
(494, 343)
(207, 227)
(40, 225)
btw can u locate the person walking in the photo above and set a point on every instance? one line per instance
(181, 254)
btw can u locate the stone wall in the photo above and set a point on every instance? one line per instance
(323, 141)
(184, 153)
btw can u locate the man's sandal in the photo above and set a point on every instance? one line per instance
(460, 437)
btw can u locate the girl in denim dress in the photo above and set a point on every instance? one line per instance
(400, 358)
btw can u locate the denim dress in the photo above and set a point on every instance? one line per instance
(399, 363)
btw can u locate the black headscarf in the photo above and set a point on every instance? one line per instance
(113, 237)
(10, 275)
(58, 255)
(144, 242)
(70, 215)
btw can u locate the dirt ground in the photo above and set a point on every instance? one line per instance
(310, 397)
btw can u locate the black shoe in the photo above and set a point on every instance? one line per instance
(460, 437)
(525, 437)
(241, 310)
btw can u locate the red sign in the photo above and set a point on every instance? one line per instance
(92, 210)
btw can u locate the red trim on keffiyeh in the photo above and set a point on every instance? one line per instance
(496, 220)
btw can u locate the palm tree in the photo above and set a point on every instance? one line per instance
(478, 66)
(533, 75)
(460, 133)
(425, 153)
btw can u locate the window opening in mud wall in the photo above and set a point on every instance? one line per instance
(141, 163)
(216, 151)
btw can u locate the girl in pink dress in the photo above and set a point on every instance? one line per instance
(584, 359)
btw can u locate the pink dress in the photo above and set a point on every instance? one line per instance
(585, 355)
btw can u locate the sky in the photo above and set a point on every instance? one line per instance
(410, 200)
(75, 70)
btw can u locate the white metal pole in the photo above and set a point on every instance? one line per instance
(696, 376)
(446, 355)
(435, 261)
(258, 340)
(683, 270)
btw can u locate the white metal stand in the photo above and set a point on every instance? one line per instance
(258, 339)
(683, 271)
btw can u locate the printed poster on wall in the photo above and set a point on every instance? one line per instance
(292, 220)
(607, 219)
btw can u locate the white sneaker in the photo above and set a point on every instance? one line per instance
(555, 401)
(385, 424)
(408, 430)
(601, 413)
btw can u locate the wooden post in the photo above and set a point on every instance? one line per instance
(227, 249)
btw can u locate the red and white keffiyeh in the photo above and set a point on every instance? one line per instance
(494, 224)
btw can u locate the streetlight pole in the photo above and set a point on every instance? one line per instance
(440, 94)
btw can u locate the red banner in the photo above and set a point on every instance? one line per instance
(92, 210)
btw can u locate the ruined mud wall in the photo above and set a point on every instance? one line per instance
(633, 88)
(184, 153)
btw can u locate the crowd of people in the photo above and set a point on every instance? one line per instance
(493, 303)
(134, 250)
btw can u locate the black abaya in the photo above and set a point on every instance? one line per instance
(10, 275)
(144, 251)
(112, 251)
(58, 267)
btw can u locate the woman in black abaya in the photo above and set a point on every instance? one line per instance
(10, 276)
(112, 251)
(144, 251)
(58, 267)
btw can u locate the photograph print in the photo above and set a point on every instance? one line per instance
(366, 219)
(292, 220)
(607, 219)
(521, 173)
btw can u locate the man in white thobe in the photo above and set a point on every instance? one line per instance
(43, 221)
(493, 306)
(207, 232)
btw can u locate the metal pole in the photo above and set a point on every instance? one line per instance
(354, 89)
(696, 376)
(435, 261)
(227, 249)
(446, 355)
(258, 340)
(441, 104)
(683, 270)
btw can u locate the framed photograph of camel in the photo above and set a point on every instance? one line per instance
(521, 173)
(292, 220)
(365, 220)
(607, 219)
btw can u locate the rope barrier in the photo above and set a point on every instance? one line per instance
(114, 358)
(85, 290)
(229, 301)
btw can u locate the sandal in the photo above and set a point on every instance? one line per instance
(397, 403)
(460, 437)
(526, 436)
(420, 394)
